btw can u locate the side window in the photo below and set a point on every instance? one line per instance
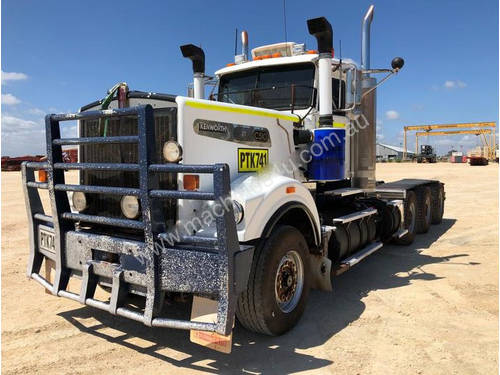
(335, 94)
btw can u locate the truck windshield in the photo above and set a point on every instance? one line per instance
(276, 87)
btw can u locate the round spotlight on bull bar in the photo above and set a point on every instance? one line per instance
(130, 206)
(238, 211)
(79, 201)
(172, 151)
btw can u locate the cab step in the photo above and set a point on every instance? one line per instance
(357, 257)
(400, 233)
(354, 216)
(344, 192)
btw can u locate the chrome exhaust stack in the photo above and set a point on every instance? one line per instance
(365, 38)
(197, 56)
(244, 45)
(363, 137)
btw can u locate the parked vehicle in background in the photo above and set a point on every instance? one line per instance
(426, 154)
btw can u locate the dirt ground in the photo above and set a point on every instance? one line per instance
(429, 308)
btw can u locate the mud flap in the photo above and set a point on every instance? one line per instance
(320, 268)
(205, 310)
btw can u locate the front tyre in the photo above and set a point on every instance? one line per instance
(278, 284)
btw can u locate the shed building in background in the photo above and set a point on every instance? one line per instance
(389, 152)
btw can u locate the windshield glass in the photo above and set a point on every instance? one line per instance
(277, 87)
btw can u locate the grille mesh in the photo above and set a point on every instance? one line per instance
(109, 205)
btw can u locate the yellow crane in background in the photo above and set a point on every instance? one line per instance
(481, 129)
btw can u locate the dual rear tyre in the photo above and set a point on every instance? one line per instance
(423, 207)
(437, 208)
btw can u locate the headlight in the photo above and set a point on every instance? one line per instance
(172, 151)
(130, 206)
(79, 201)
(238, 211)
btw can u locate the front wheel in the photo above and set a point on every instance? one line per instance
(278, 285)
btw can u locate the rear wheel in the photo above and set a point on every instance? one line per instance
(410, 219)
(278, 285)
(386, 225)
(396, 218)
(424, 209)
(437, 204)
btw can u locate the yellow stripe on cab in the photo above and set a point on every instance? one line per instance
(246, 111)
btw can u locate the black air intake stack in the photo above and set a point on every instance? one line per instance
(197, 56)
(321, 29)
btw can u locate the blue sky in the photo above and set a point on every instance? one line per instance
(68, 53)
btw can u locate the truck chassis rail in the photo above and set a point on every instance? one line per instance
(208, 269)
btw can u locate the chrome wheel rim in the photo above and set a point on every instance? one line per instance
(289, 281)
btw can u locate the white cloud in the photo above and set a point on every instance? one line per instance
(380, 137)
(392, 115)
(12, 76)
(37, 111)
(21, 136)
(450, 85)
(9, 99)
(12, 124)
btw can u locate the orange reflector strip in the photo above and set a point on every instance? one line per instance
(191, 182)
(312, 52)
(230, 64)
(290, 189)
(42, 175)
(277, 54)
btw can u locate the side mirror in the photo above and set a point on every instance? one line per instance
(397, 63)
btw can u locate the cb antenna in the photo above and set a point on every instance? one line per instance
(284, 20)
(340, 74)
(236, 42)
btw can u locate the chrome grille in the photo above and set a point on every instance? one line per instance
(109, 205)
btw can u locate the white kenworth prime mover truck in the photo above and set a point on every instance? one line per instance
(239, 203)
